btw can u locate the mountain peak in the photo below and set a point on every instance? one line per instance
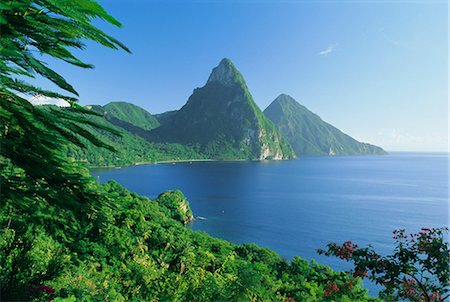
(222, 121)
(284, 98)
(283, 104)
(225, 73)
(225, 61)
(308, 134)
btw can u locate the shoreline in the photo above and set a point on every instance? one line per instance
(153, 163)
(182, 161)
(171, 162)
(174, 161)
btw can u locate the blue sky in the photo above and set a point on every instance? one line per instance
(376, 70)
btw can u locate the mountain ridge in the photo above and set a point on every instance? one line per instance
(130, 113)
(222, 120)
(308, 134)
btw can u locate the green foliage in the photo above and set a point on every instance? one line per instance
(131, 114)
(418, 270)
(308, 134)
(221, 121)
(49, 28)
(175, 206)
(29, 137)
(126, 143)
(129, 147)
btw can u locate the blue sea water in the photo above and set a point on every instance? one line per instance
(295, 207)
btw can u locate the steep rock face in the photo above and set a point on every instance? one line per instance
(222, 121)
(308, 134)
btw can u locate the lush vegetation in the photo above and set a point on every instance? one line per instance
(175, 206)
(130, 147)
(64, 237)
(308, 134)
(418, 270)
(137, 145)
(131, 114)
(221, 121)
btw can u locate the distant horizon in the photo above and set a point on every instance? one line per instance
(418, 152)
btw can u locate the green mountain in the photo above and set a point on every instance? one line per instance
(221, 121)
(130, 146)
(131, 114)
(308, 134)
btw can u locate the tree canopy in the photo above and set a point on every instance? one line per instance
(31, 31)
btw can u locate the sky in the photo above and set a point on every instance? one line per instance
(377, 70)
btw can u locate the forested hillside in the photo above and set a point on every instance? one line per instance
(308, 134)
(132, 114)
(128, 142)
(222, 121)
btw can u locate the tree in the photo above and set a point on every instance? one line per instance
(31, 138)
(418, 270)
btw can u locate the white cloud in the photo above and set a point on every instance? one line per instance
(44, 100)
(328, 50)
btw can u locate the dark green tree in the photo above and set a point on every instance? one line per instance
(29, 31)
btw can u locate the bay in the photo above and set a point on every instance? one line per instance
(295, 207)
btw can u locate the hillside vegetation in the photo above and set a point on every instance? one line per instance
(130, 113)
(308, 134)
(130, 147)
(222, 121)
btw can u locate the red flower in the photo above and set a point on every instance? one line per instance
(360, 273)
(42, 288)
(47, 289)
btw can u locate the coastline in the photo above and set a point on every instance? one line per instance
(174, 161)
(153, 163)
(182, 161)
